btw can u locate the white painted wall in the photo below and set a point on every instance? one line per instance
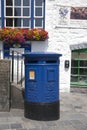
(61, 37)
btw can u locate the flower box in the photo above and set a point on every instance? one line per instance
(18, 36)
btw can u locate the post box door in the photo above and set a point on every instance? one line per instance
(41, 83)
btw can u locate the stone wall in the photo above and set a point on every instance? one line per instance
(4, 85)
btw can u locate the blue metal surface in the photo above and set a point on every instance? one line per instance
(32, 13)
(2, 13)
(41, 56)
(7, 47)
(44, 14)
(42, 77)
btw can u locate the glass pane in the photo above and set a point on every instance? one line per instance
(83, 71)
(17, 22)
(83, 79)
(38, 2)
(75, 55)
(83, 55)
(83, 63)
(17, 2)
(9, 22)
(74, 70)
(38, 22)
(26, 22)
(9, 11)
(26, 12)
(74, 78)
(26, 2)
(17, 11)
(74, 63)
(38, 12)
(9, 3)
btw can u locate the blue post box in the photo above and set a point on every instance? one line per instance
(42, 86)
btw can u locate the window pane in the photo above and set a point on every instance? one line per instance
(83, 71)
(17, 2)
(26, 12)
(38, 12)
(17, 22)
(38, 2)
(9, 22)
(74, 78)
(26, 22)
(74, 70)
(17, 11)
(83, 63)
(38, 22)
(9, 2)
(9, 12)
(26, 2)
(83, 79)
(74, 63)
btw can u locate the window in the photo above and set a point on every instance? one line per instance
(79, 68)
(24, 13)
(38, 14)
(17, 12)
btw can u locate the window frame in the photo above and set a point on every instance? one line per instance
(14, 17)
(80, 77)
(31, 16)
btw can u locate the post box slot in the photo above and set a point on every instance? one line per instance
(51, 61)
(33, 61)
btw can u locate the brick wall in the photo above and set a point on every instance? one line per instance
(4, 85)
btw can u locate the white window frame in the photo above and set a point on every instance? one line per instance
(42, 7)
(21, 17)
(31, 18)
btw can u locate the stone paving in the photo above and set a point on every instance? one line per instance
(73, 116)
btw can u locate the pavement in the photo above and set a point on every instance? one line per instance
(73, 116)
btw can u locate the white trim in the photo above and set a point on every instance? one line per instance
(21, 17)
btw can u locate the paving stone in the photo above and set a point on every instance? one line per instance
(72, 116)
(14, 126)
(80, 127)
(21, 129)
(51, 123)
(4, 126)
(49, 128)
(35, 129)
(69, 127)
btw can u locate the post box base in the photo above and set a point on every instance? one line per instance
(42, 111)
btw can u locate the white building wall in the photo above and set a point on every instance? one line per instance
(61, 37)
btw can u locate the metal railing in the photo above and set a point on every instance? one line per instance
(17, 66)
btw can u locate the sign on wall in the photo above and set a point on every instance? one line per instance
(72, 17)
(79, 13)
(17, 48)
(63, 15)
